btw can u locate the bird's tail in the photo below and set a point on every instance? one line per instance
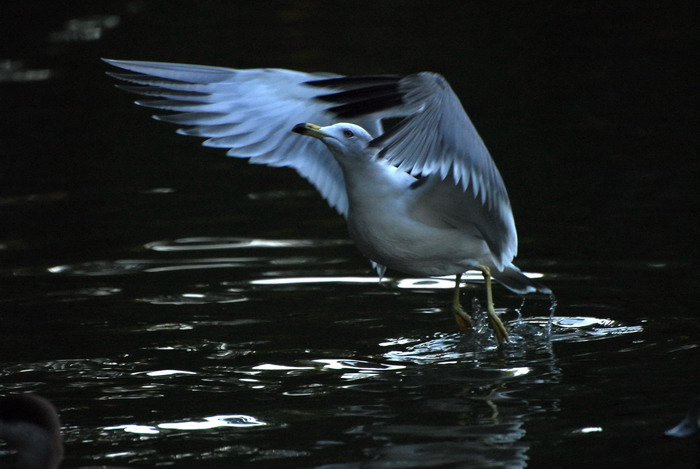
(512, 278)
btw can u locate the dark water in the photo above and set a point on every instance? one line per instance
(183, 309)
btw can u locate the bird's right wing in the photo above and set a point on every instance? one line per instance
(249, 112)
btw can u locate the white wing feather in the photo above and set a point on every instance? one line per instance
(250, 112)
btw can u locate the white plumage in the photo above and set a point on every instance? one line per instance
(424, 197)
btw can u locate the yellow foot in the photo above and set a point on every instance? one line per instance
(499, 329)
(464, 321)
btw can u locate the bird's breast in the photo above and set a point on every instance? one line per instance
(394, 239)
(384, 229)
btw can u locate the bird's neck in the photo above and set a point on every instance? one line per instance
(371, 182)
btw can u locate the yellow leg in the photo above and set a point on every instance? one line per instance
(464, 321)
(496, 324)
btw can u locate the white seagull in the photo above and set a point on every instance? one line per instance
(423, 198)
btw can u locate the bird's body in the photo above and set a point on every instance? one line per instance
(386, 222)
(423, 198)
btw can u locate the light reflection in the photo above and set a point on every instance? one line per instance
(139, 429)
(89, 28)
(204, 243)
(433, 351)
(164, 373)
(582, 322)
(358, 376)
(202, 264)
(122, 454)
(15, 71)
(273, 367)
(339, 364)
(131, 266)
(175, 326)
(359, 369)
(448, 281)
(237, 420)
(525, 334)
(585, 430)
(577, 328)
(98, 268)
(399, 341)
(519, 371)
(302, 280)
(432, 283)
(216, 421)
(194, 299)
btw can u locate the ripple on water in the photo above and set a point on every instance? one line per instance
(526, 334)
(231, 296)
(194, 245)
(346, 368)
(16, 71)
(135, 266)
(86, 28)
(582, 329)
(204, 243)
(207, 423)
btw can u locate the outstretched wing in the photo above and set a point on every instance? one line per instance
(436, 140)
(249, 112)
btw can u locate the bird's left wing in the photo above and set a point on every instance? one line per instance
(437, 140)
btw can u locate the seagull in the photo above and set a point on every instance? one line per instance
(422, 197)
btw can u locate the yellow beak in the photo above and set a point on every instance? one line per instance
(311, 130)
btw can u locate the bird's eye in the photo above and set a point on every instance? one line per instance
(348, 133)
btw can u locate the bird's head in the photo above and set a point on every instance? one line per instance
(345, 141)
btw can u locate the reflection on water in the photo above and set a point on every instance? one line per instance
(209, 243)
(580, 329)
(415, 400)
(89, 28)
(17, 71)
(231, 296)
(216, 421)
(312, 280)
(194, 246)
(429, 399)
